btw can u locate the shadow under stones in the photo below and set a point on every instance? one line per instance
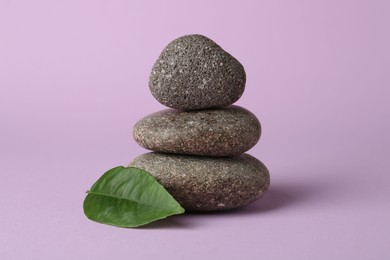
(281, 196)
(171, 222)
(277, 197)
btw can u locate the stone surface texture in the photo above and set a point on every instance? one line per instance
(215, 132)
(202, 183)
(193, 72)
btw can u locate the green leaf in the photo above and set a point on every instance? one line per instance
(129, 197)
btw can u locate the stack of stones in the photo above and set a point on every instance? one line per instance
(199, 143)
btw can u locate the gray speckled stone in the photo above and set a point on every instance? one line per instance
(215, 132)
(193, 72)
(202, 183)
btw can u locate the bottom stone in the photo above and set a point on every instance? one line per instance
(202, 183)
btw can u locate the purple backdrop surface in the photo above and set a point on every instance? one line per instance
(73, 81)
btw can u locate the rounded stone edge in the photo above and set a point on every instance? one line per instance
(186, 107)
(143, 143)
(188, 205)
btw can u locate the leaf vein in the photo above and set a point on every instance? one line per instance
(132, 200)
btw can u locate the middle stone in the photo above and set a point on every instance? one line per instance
(227, 131)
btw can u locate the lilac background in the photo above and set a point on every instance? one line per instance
(73, 81)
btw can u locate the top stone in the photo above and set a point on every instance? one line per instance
(193, 72)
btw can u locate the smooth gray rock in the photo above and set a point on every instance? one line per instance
(215, 132)
(202, 183)
(193, 72)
